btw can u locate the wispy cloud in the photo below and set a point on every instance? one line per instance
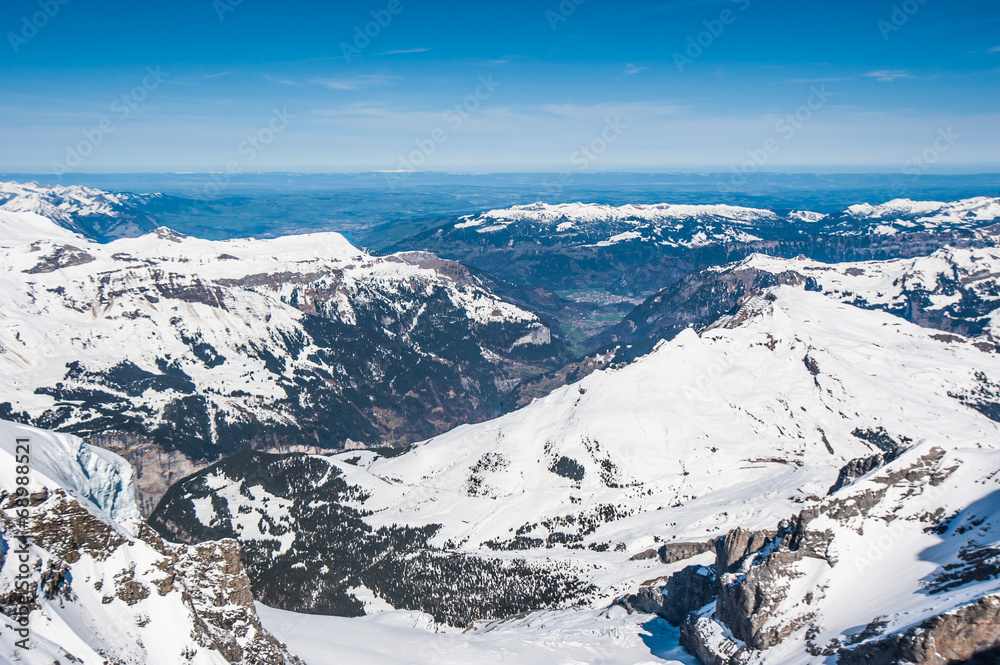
(631, 69)
(995, 49)
(600, 111)
(273, 79)
(363, 81)
(215, 76)
(403, 51)
(889, 75)
(829, 79)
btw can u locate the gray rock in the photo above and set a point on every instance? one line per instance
(970, 635)
(685, 592)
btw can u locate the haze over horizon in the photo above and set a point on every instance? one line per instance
(714, 85)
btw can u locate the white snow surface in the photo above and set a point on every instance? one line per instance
(701, 225)
(595, 212)
(569, 637)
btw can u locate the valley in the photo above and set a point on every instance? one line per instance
(636, 433)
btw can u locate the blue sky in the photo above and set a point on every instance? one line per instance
(583, 85)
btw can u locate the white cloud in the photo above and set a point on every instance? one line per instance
(602, 111)
(363, 81)
(273, 79)
(631, 69)
(889, 75)
(995, 49)
(403, 51)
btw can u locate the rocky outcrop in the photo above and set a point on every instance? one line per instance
(750, 595)
(705, 637)
(156, 469)
(195, 595)
(969, 635)
(685, 591)
(674, 552)
(735, 546)
(860, 467)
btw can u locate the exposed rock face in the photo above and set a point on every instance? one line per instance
(95, 584)
(750, 595)
(206, 584)
(968, 635)
(703, 636)
(293, 343)
(685, 592)
(860, 467)
(156, 469)
(762, 598)
(966, 281)
(674, 552)
(735, 546)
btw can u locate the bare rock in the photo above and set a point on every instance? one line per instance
(685, 592)
(968, 635)
(674, 552)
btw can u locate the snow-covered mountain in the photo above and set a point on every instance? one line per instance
(953, 290)
(907, 216)
(829, 471)
(206, 347)
(636, 250)
(700, 225)
(671, 225)
(84, 580)
(98, 215)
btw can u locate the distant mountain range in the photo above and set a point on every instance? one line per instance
(98, 215)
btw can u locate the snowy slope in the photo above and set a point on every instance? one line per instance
(745, 425)
(96, 214)
(103, 587)
(607, 637)
(952, 290)
(956, 290)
